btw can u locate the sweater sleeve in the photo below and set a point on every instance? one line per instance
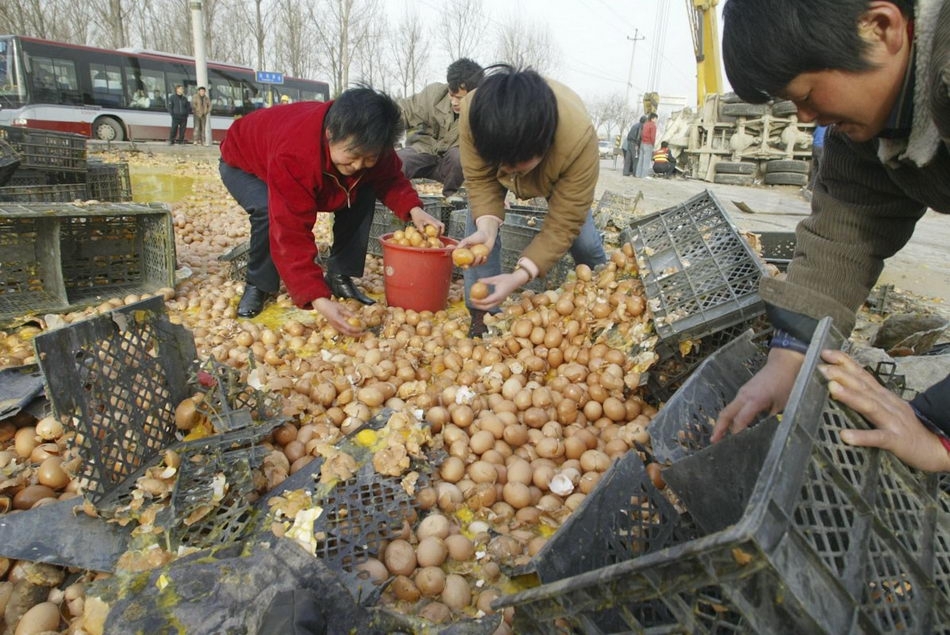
(859, 218)
(568, 205)
(934, 404)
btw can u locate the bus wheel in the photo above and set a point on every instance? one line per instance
(108, 129)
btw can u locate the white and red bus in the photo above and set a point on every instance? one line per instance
(121, 95)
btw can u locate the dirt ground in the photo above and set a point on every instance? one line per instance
(921, 268)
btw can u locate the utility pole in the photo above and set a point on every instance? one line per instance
(201, 58)
(636, 38)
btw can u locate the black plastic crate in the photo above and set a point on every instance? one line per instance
(65, 193)
(698, 273)
(31, 177)
(108, 182)
(792, 531)
(385, 222)
(677, 362)
(59, 256)
(522, 224)
(778, 248)
(9, 162)
(47, 150)
(115, 380)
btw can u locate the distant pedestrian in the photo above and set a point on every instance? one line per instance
(631, 153)
(663, 162)
(647, 139)
(817, 146)
(200, 108)
(179, 109)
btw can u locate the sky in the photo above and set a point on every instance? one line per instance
(592, 37)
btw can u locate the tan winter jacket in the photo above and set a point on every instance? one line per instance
(566, 177)
(869, 197)
(431, 126)
(200, 105)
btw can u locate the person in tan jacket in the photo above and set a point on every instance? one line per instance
(431, 120)
(532, 136)
(200, 109)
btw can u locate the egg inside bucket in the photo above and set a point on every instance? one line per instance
(417, 278)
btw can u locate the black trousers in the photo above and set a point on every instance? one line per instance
(351, 227)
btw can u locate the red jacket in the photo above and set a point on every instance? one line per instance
(287, 148)
(648, 136)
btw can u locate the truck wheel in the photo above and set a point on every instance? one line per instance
(735, 167)
(107, 129)
(786, 178)
(784, 108)
(733, 179)
(787, 166)
(743, 110)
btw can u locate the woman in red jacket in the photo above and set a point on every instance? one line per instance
(284, 165)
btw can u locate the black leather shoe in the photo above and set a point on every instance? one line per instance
(342, 287)
(252, 302)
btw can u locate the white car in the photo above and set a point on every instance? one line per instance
(606, 149)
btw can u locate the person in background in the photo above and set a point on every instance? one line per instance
(647, 139)
(179, 109)
(140, 99)
(285, 165)
(817, 146)
(532, 136)
(631, 154)
(200, 108)
(663, 162)
(432, 135)
(285, 99)
(879, 75)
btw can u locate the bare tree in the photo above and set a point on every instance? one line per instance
(27, 17)
(368, 56)
(463, 25)
(610, 115)
(409, 48)
(342, 28)
(295, 42)
(522, 44)
(108, 20)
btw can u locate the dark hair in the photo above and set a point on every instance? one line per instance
(653, 116)
(643, 119)
(768, 43)
(368, 119)
(464, 73)
(513, 115)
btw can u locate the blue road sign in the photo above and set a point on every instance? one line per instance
(270, 77)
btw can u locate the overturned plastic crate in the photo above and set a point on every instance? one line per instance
(384, 221)
(236, 259)
(59, 256)
(794, 530)
(115, 381)
(64, 193)
(60, 153)
(698, 273)
(108, 182)
(676, 362)
(778, 248)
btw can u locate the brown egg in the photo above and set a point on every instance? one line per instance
(400, 558)
(431, 552)
(430, 581)
(42, 618)
(456, 594)
(51, 473)
(29, 496)
(460, 548)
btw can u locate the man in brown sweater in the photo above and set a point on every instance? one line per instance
(877, 72)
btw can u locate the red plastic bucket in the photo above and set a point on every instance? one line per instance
(417, 278)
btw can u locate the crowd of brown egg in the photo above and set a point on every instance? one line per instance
(530, 417)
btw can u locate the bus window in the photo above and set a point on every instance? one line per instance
(106, 85)
(153, 83)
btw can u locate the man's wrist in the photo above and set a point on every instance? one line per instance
(783, 339)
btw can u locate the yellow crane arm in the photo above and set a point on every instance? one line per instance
(704, 26)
